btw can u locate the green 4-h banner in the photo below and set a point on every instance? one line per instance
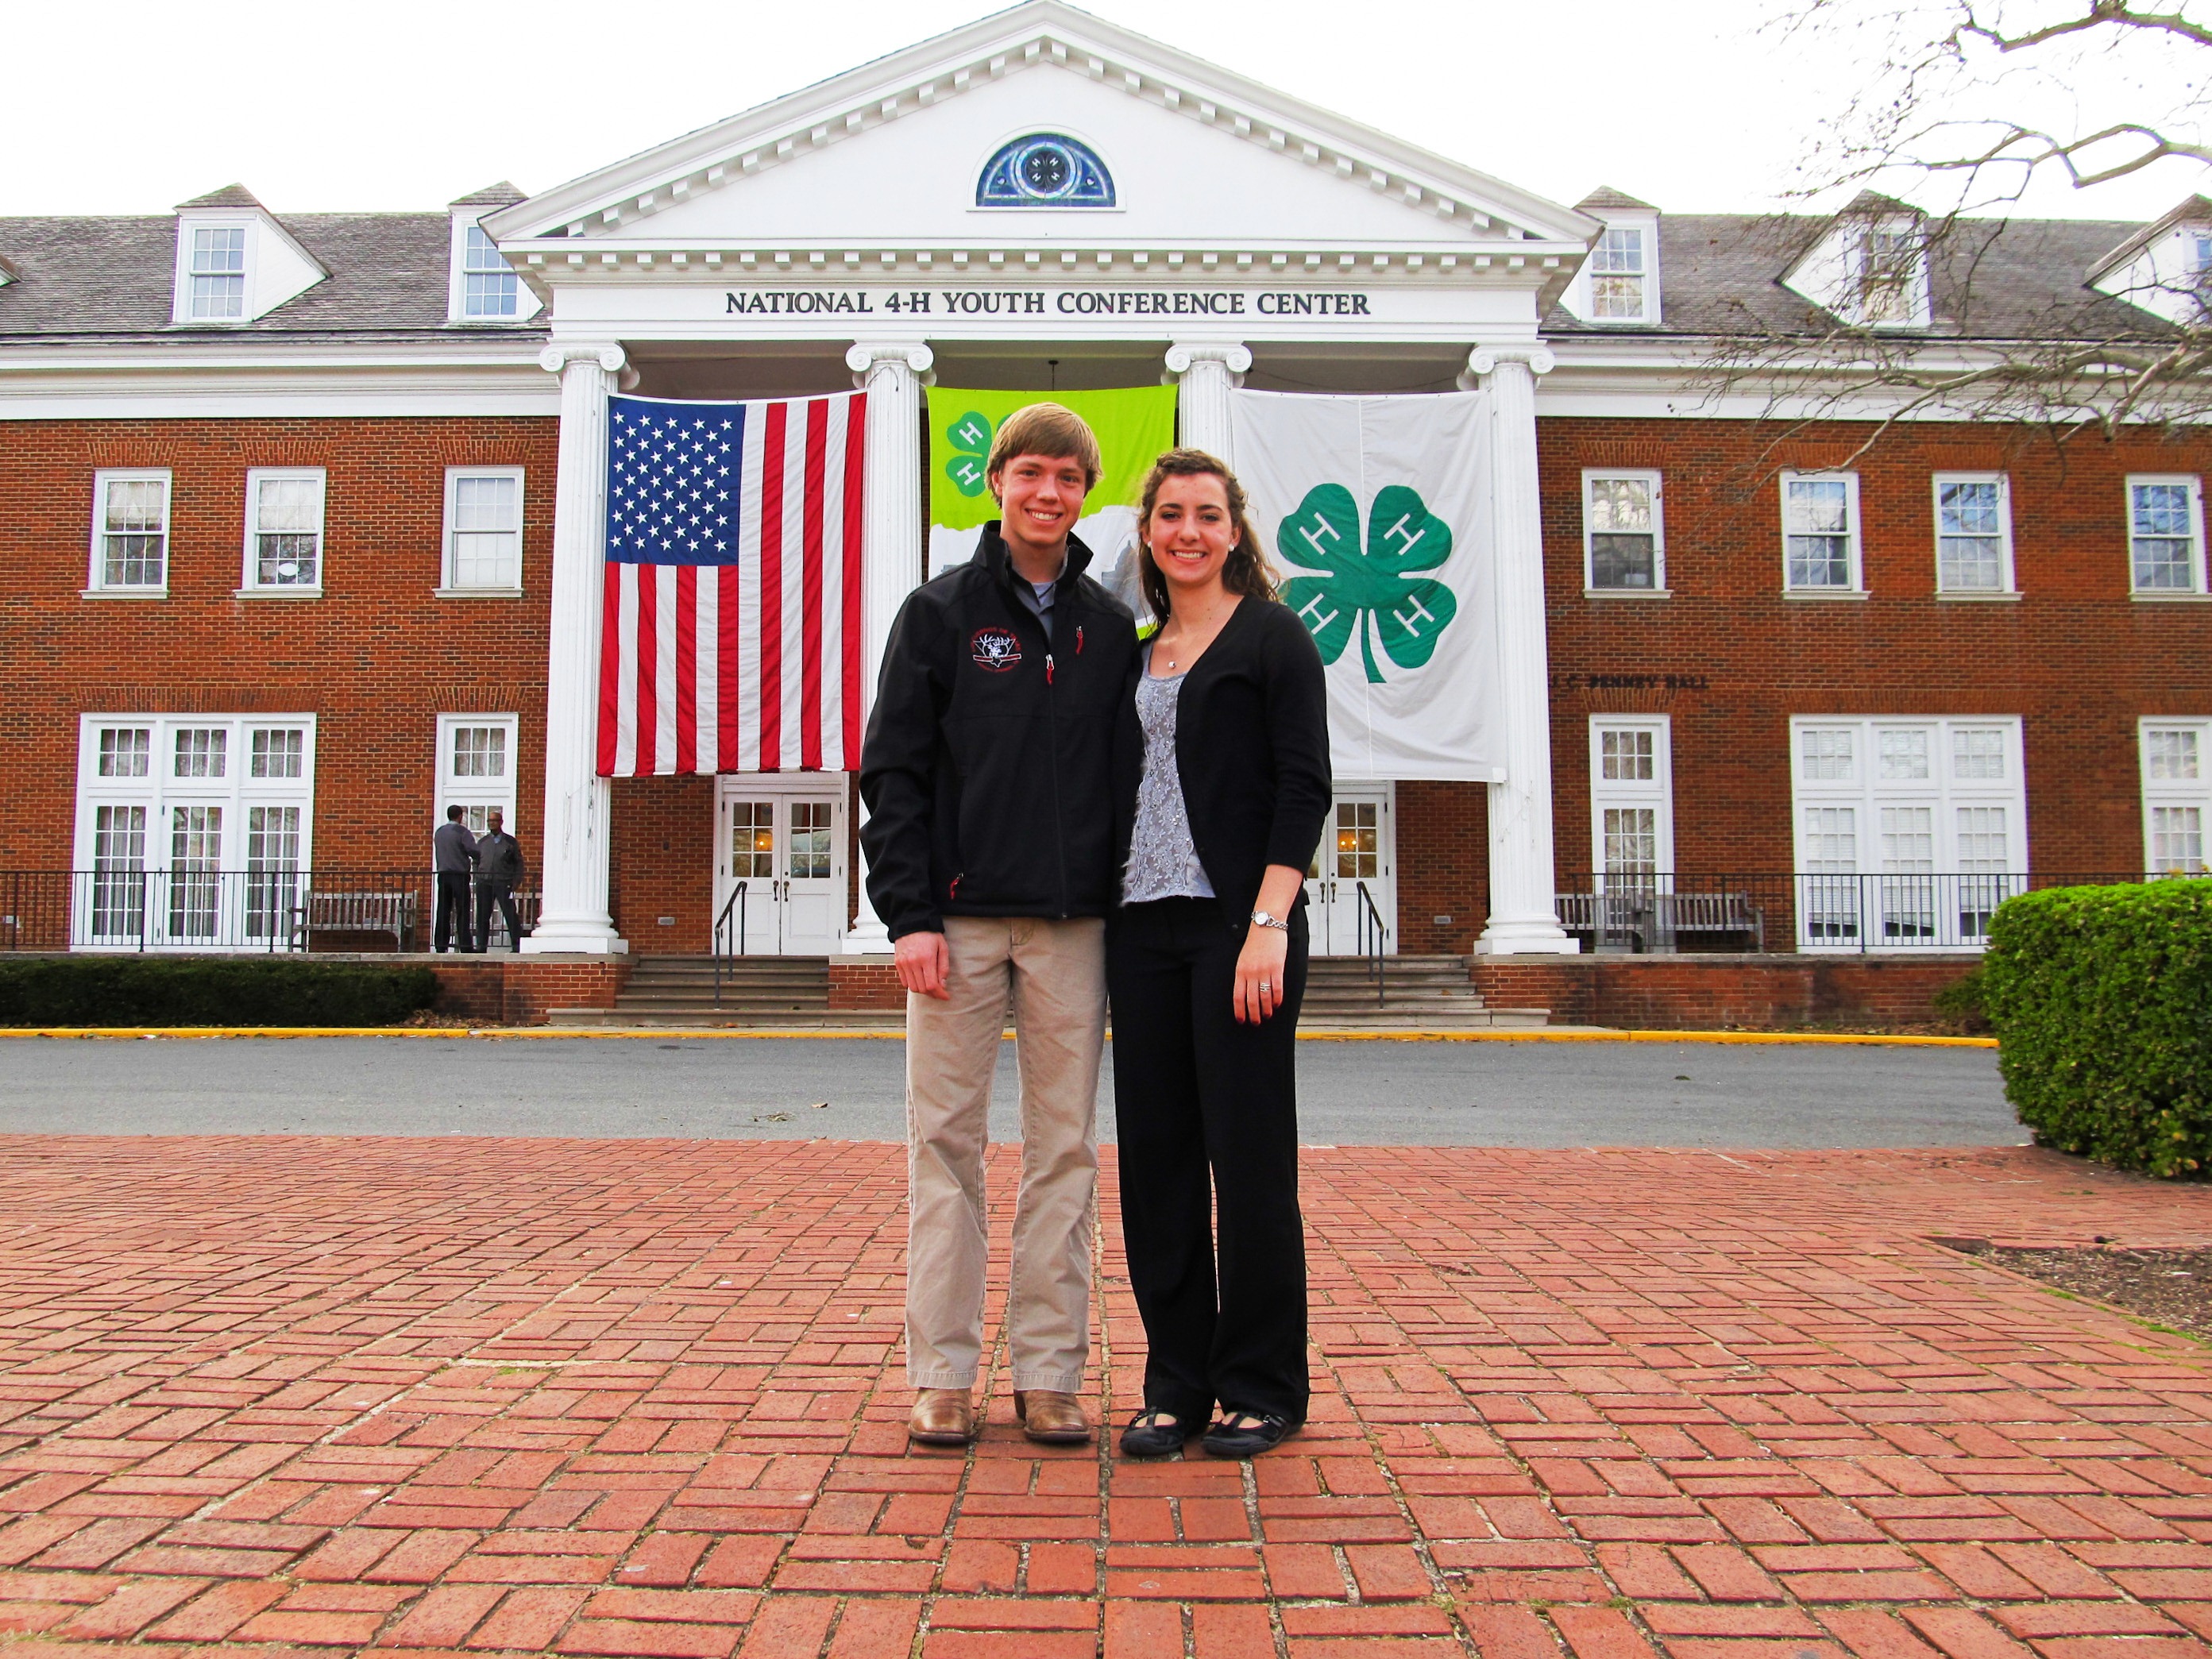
(1133, 424)
(1371, 510)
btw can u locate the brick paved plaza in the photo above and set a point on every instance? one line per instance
(642, 1397)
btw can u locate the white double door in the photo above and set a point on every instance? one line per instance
(1358, 851)
(780, 863)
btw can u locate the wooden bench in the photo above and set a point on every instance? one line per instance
(1710, 913)
(335, 911)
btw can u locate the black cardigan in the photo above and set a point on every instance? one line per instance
(1251, 752)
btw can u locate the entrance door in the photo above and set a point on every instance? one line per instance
(1358, 853)
(780, 862)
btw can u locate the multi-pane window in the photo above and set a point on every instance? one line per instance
(1631, 799)
(218, 272)
(1973, 534)
(2177, 791)
(476, 768)
(1820, 531)
(1909, 832)
(810, 839)
(284, 530)
(1617, 275)
(130, 531)
(202, 751)
(752, 840)
(1622, 537)
(1891, 276)
(1358, 840)
(483, 528)
(193, 829)
(489, 287)
(2166, 534)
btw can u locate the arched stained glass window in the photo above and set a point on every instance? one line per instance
(1045, 169)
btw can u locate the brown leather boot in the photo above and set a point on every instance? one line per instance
(942, 1417)
(1050, 1418)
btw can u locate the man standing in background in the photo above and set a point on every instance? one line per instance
(499, 871)
(453, 855)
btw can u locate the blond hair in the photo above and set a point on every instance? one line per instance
(1053, 430)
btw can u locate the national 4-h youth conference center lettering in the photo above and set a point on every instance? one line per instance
(1015, 302)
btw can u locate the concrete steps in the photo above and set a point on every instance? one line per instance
(1419, 992)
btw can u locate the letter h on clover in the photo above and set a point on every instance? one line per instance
(1369, 588)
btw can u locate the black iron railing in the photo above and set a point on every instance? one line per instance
(1372, 937)
(194, 908)
(1802, 910)
(729, 938)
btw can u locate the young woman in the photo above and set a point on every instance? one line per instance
(1226, 778)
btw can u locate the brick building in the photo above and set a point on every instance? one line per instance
(307, 517)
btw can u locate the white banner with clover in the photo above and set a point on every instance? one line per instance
(1372, 511)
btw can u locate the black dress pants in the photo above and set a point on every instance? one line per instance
(1196, 1094)
(490, 893)
(452, 907)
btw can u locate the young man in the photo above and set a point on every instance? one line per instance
(990, 845)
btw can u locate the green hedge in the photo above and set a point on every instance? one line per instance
(147, 990)
(2102, 999)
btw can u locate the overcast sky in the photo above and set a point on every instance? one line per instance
(130, 107)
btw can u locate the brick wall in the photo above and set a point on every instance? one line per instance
(376, 659)
(1444, 865)
(521, 990)
(2076, 658)
(861, 984)
(1719, 993)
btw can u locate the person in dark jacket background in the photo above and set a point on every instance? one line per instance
(452, 856)
(499, 871)
(1228, 777)
(988, 776)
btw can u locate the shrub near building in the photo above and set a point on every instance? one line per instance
(141, 990)
(2102, 999)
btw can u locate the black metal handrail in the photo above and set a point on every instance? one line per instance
(1372, 933)
(736, 901)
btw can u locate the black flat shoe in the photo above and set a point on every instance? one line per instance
(1147, 1436)
(1247, 1434)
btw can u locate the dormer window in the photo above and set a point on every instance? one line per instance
(1892, 276)
(489, 287)
(1617, 274)
(218, 273)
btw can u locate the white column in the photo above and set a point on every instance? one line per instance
(891, 375)
(574, 836)
(1206, 372)
(1523, 918)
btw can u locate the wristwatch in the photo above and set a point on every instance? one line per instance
(1261, 919)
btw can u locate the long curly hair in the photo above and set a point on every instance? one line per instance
(1247, 571)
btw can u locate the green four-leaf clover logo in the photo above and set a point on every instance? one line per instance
(970, 438)
(1369, 588)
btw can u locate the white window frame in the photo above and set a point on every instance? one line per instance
(477, 794)
(159, 791)
(96, 583)
(250, 585)
(450, 585)
(1656, 793)
(1646, 236)
(2174, 791)
(188, 241)
(1655, 481)
(1855, 538)
(1915, 287)
(2009, 587)
(526, 302)
(1944, 790)
(2195, 590)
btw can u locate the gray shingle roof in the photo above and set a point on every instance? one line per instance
(230, 196)
(389, 273)
(1721, 274)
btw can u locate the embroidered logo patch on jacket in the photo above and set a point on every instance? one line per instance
(995, 649)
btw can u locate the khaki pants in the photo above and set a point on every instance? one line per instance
(1055, 974)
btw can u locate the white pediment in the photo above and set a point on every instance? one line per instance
(890, 154)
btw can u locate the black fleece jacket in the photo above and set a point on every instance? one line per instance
(988, 768)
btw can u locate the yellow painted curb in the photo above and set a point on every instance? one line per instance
(1492, 1033)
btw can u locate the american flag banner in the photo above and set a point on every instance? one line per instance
(732, 637)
